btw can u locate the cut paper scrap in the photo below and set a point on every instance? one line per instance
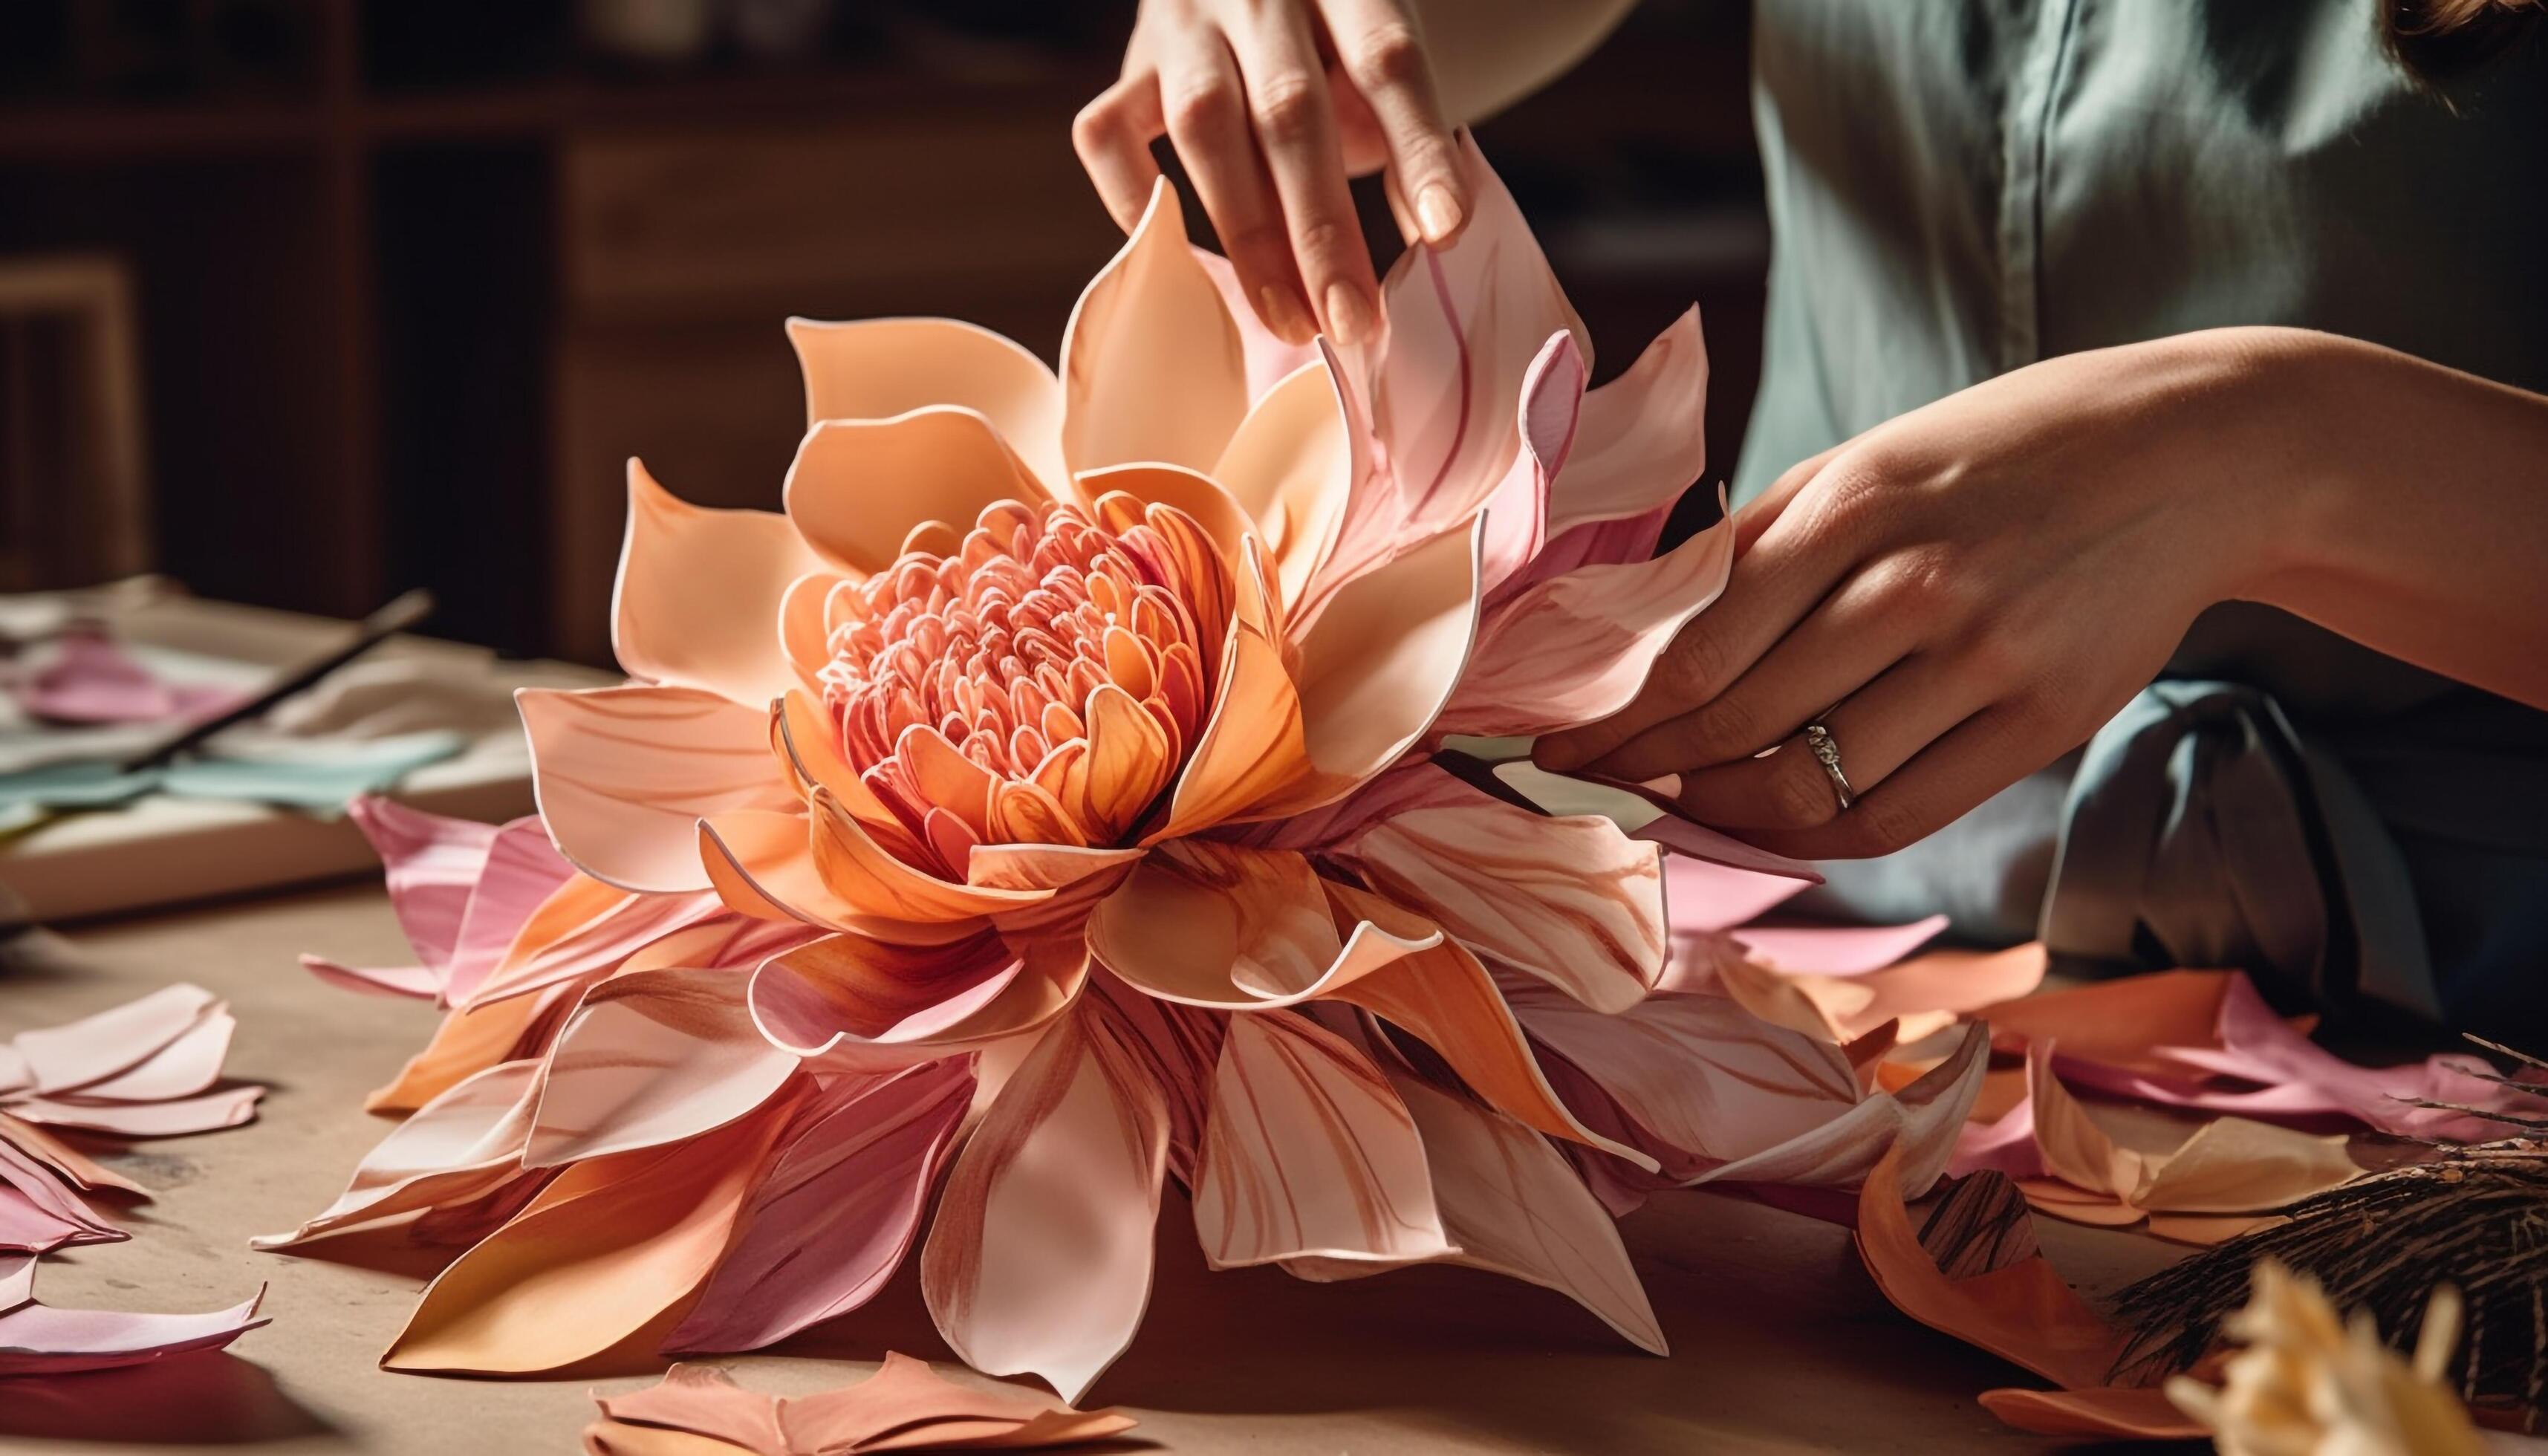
(41, 1180)
(461, 890)
(149, 1069)
(2228, 1177)
(1921, 996)
(2206, 1039)
(315, 776)
(904, 1407)
(40, 1340)
(93, 679)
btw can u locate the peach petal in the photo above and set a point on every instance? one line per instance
(804, 624)
(1379, 666)
(606, 1249)
(854, 1002)
(948, 780)
(1040, 1259)
(1309, 1152)
(1577, 646)
(1037, 866)
(623, 776)
(803, 737)
(1152, 367)
(858, 487)
(1291, 466)
(874, 368)
(1270, 357)
(1217, 925)
(466, 1143)
(652, 1058)
(1129, 762)
(697, 596)
(469, 1041)
(1202, 500)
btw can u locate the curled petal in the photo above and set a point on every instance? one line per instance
(1307, 1151)
(624, 774)
(875, 368)
(859, 487)
(463, 1143)
(1153, 368)
(1575, 648)
(857, 1002)
(1643, 438)
(696, 601)
(1255, 747)
(1220, 925)
(1039, 1259)
(1517, 524)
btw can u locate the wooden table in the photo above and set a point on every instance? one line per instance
(1781, 1343)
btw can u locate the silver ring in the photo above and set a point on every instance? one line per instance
(1827, 753)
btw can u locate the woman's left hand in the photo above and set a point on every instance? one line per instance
(1966, 593)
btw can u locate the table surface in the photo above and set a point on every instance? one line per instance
(1779, 1340)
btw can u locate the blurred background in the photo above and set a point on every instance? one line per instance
(307, 302)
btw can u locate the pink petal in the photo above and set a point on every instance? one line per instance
(652, 1058)
(460, 1144)
(1922, 1120)
(523, 868)
(415, 982)
(616, 931)
(1514, 1206)
(1466, 323)
(1153, 368)
(833, 1220)
(40, 1339)
(1039, 1259)
(1575, 648)
(94, 680)
(1307, 1151)
(183, 1068)
(40, 1211)
(1708, 897)
(432, 863)
(96, 1047)
(225, 1107)
(1569, 900)
(624, 774)
(1518, 525)
(696, 602)
(1837, 950)
(1269, 356)
(1642, 440)
(874, 368)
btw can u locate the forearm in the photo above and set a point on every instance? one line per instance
(2422, 530)
(1490, 53)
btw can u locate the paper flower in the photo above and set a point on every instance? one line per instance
(904, 1407)
(1060, 755)
(149, 1069)
(2309, 1381)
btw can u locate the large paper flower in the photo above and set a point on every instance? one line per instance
(1065, 752)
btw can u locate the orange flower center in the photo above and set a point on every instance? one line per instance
(1037, 684)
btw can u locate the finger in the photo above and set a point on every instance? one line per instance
(1945, 782)
(1410, 232)
(1753, 516)
(1358, 132)
(1794, 565)
(1296, 127)
(1207, 110)
(1873, 732)
(1844, 643)
(1377, 46)
(1113, 135)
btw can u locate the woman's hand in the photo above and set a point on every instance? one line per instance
(1272, 104)
(1970, 590)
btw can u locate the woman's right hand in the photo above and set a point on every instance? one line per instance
(1272, 105)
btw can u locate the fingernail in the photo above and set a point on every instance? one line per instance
(1283, 316)
(1348, 314)
(1437, 212)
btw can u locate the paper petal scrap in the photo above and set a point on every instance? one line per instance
(40, 1340)
(904, 1407)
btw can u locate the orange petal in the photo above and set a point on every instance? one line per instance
(470, 1040)
(1039, 1259)
(2115, 1022)
(1255, 747)
(2075, 1149)
(2103, 1414)
(696, 604)
(947, 779)
(624, 774)
(1199, 495)
(804, 628)
(1129, 762)
(1291, 466)
(2024, 1312)
(1151, 364)
(878, 367)
(604, 1251)
(858, 487)
(803, 737)
(1307, 1151)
